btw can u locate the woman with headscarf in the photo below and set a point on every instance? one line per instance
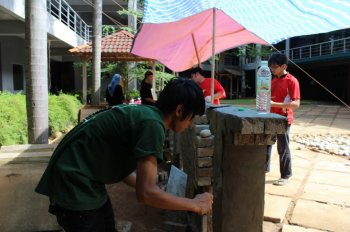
(114, 92)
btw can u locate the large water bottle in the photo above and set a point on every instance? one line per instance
(263, 88)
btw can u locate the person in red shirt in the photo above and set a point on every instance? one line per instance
(285, 97)
(198, 76)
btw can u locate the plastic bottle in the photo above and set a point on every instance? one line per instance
(263, 88)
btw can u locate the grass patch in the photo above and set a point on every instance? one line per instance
(63, 113)
(241, 101)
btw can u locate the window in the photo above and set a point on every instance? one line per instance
(17, 77)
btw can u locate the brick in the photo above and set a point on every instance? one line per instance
(204, 119)
(205, 142)
(205, 172)
(200, 119)
(254, 139)
(197, 120)
(205, 151)
(205, 162)
(204, 181)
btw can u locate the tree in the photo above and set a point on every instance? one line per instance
(36, 71)
(96, 52)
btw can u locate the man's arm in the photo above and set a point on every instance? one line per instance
(219, 90)
(130, 180)
(219, 95)
(291, 105)
(149, 193)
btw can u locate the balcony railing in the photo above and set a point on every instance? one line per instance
(61, 10)
(332, 47)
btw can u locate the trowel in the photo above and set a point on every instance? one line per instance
(177, 182)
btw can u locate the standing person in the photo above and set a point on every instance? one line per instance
(285, 97)
(197, 75)
(114, 91)
(121, 143)
(145, 91)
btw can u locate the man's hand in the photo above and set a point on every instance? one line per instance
(208, 99)
(204, 202)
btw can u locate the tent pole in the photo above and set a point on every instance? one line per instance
(154, 92)
(195, 48)
(213, 58)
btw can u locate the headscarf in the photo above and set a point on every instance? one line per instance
(115, 81)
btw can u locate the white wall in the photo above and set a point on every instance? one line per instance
(17, 7)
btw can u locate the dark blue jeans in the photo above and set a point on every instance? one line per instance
(284, 154)
(96, 220)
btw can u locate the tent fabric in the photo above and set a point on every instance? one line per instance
(172, 43)
(173, 29)
(284, 18)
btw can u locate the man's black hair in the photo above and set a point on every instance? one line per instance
(148, 73)
(185, 92)
(278, 58)
(197, 70)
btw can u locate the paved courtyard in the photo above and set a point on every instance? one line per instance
(318, 196)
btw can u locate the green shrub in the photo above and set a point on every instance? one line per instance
(13, 119)
(132, 94)
(63, 113)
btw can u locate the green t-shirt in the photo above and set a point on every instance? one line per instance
(103, 149)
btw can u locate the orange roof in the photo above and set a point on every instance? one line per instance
(116, 46)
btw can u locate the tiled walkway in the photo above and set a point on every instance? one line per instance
(322, 119)
(318, 197)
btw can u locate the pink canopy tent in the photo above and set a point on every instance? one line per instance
(182, 33)
(192, 40)
(189, 41)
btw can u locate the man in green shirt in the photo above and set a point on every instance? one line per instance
(122, 143)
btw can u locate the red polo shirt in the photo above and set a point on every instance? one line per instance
(205, 86)
(281, 88)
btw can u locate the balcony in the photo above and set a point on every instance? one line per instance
(326, 50)
(62, 11)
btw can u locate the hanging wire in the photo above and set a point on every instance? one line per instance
(109, 17)
(124, 9)
(314, 79)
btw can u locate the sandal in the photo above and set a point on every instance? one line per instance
(281, 181)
